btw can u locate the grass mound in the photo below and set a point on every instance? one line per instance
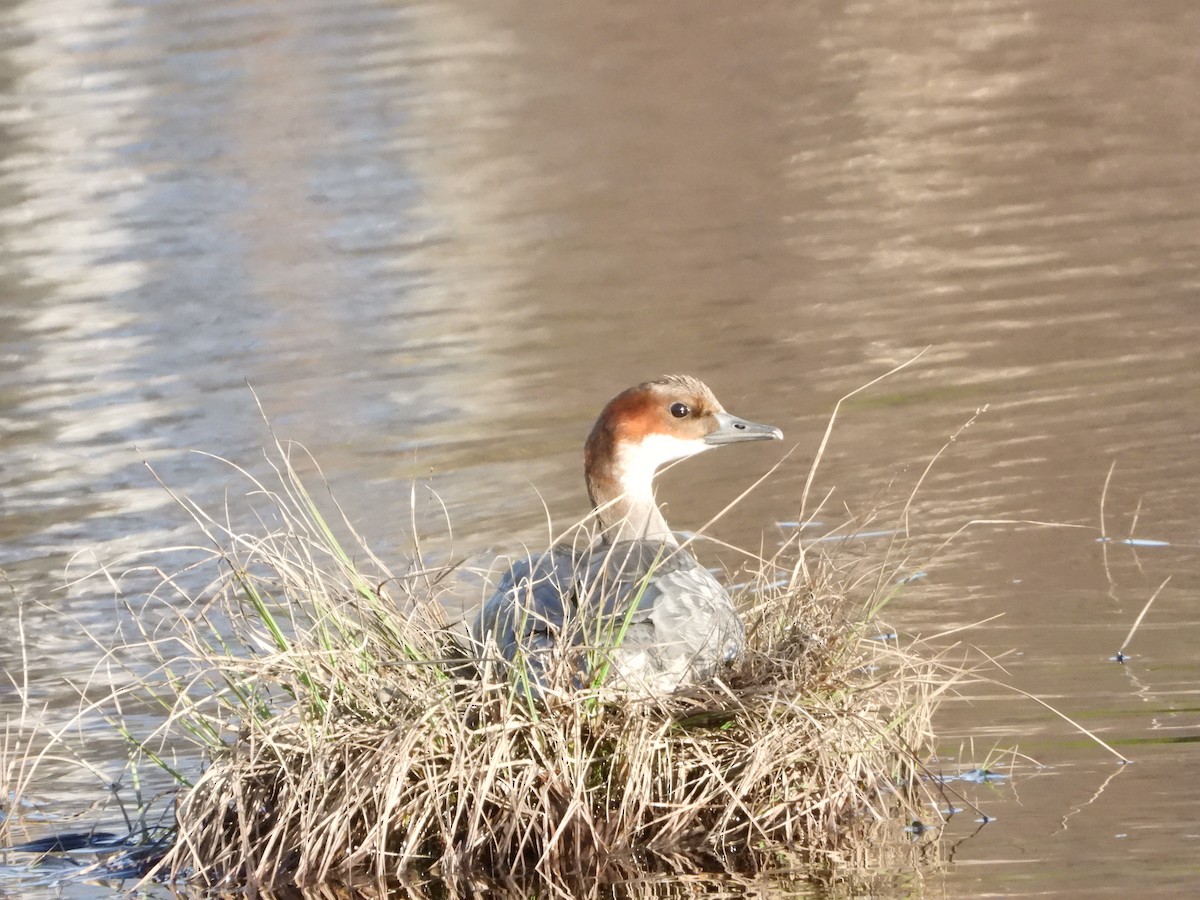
(345, 738)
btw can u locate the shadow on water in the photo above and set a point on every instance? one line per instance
(892, 864)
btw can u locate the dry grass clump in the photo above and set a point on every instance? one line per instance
(346, 736)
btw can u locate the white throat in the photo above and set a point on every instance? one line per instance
(637, 465)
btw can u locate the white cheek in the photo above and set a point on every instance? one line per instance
(664, 448)
(640, 461)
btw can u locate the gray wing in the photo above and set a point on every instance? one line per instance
(534, 599)
(666, 619)
(648, 607)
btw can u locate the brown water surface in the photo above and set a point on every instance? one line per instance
(436, 237)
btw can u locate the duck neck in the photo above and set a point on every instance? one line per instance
(622, 496)
(625, 519)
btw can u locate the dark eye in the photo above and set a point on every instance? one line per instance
(680, 410)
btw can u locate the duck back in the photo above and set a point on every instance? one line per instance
(643, 613)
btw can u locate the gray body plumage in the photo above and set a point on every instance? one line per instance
(643, 613)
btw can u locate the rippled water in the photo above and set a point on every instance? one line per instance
(435, 238)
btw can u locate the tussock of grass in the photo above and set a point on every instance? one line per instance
(346, 737)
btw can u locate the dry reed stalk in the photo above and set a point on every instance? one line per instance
(346, 739)
(348, 744)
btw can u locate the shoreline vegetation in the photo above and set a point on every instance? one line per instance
(340, 735)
